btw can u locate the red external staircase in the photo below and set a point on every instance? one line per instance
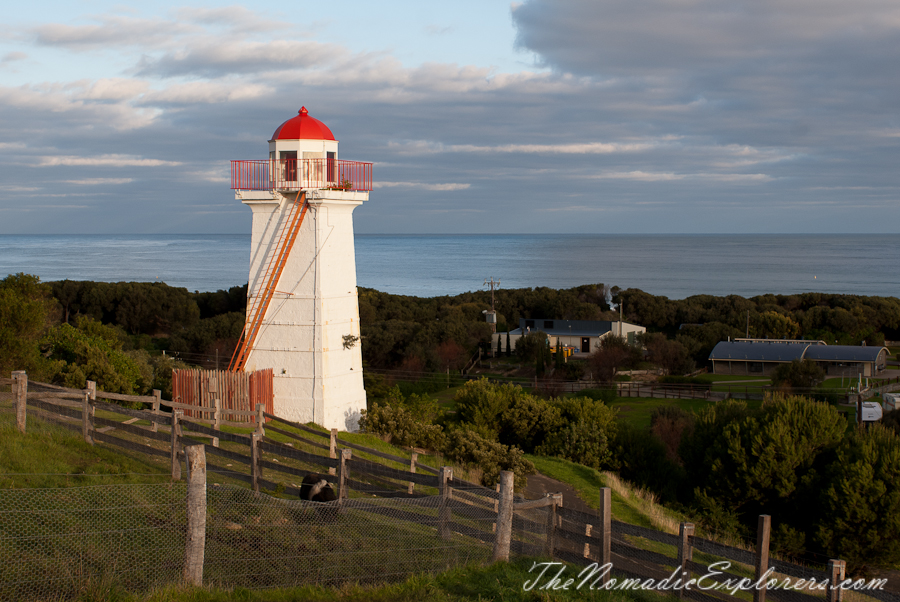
(258, 305)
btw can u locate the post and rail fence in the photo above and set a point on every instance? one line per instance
(400, 511)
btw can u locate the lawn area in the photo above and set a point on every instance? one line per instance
(718, 378)
(637, 410)
(498, 581)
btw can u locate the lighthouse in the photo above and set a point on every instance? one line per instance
(302, 305)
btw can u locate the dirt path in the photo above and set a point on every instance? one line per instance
(538, 485)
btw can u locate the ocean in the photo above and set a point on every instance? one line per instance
(676, 266)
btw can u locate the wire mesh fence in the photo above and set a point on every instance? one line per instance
(7, 399)
(58, 543)
(258, 541)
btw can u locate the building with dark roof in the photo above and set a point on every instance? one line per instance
(582, 335)
(761, 357)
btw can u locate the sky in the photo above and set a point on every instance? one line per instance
(480, 116)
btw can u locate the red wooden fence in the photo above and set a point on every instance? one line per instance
(236, 391)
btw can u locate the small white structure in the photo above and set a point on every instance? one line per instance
(302, 306)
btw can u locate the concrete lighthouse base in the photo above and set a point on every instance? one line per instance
(310, 333)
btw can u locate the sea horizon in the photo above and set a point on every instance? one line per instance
(428, 265)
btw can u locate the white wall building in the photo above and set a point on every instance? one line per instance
(583, 335)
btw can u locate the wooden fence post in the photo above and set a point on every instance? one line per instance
(260, 419)
(195, 544)
(332, 449)
(836, 570)
(446, 490)
(217, 418)
(763, 529)
(176, 432)
(255, 468)
(605, 551)
(550, 545)
(157, 396)
(346, 455)
(587, 546)
(87, 418)
(20, 386)
(412, 469)
(503, 529)
(685, 555)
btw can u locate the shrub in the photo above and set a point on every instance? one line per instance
(399, 425)
(531, 346)
(642, 459)
(527, 421)
(480, 405)
(472, 450)
(584, 437)
(669, 424)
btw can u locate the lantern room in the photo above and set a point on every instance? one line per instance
(303, 155)
(305, 138)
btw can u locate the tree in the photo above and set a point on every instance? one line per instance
(93, 351)
(670, 356)
(763, 461)
(862, 500)
(25, 315)
(612, 354)
(775, 325)
(560, 360)
(798, 377)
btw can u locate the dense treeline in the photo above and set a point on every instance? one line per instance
(701, 321)
(434, 334)
(157, 316)
(406, 331)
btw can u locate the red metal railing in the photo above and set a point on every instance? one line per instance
(301, 174)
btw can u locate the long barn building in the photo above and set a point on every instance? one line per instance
(761, 357)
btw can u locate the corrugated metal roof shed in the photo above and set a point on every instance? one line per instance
(843, 353)
(757, 352)
(775, 351)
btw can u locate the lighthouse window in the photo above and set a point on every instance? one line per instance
(289, 165)
(330, 162)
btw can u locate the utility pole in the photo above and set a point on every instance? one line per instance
(492, 315)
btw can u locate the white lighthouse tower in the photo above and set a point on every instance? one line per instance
(302, 307)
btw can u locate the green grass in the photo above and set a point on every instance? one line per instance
(500, 581)
(637, 410)
(713, 378)
(50, 456)
(629, 508)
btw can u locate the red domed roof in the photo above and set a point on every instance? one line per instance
(303, 127)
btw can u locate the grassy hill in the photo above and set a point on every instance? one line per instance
(51, 456)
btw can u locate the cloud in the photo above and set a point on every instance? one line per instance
(112, 30)
(11, 57)
(105, 161)
(214, 58)
(643, 176)
(99, 181)
(421, 186)
(588, 148)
